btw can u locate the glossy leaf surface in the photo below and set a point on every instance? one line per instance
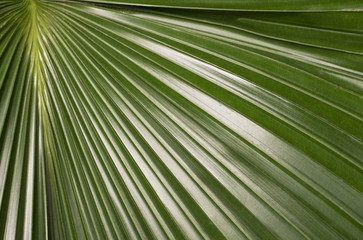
(121, 122)
(249, 5)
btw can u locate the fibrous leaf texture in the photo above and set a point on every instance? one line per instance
(184, 119)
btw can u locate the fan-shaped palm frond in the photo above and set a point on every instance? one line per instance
(129, 120)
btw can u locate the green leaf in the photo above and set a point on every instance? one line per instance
(250, 5)
(121, 122)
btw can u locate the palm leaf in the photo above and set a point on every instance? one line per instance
(247, 5)
(120, 121)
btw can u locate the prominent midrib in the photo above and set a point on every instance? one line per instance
(33, 7)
